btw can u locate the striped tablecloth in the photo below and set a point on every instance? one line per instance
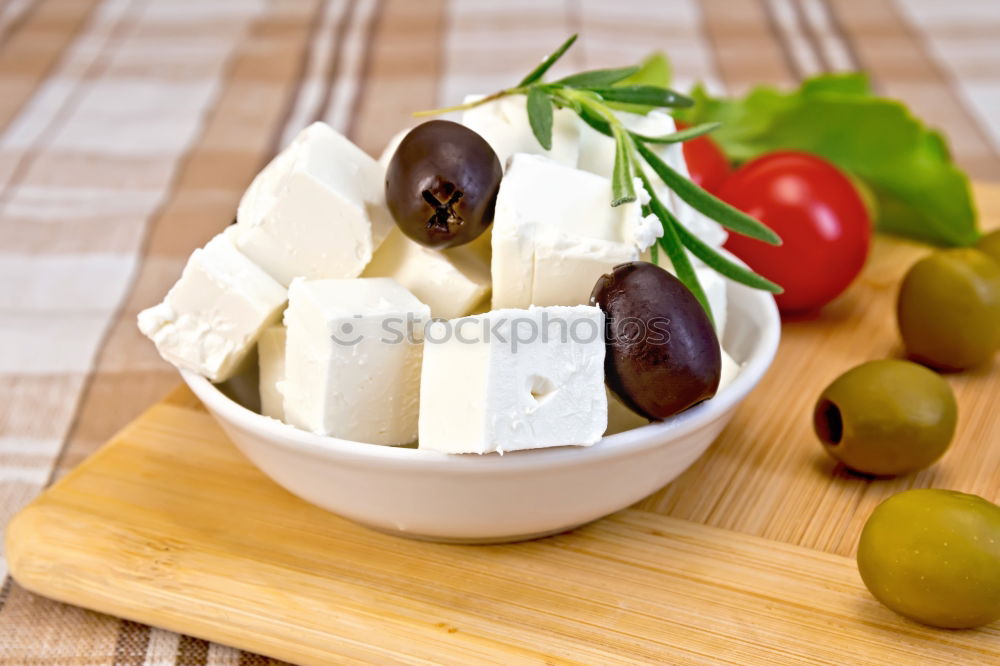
(129, 129)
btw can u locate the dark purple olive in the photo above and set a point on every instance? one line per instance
(441, 184)
(662, 352)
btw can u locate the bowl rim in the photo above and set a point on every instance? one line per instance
(633, 441)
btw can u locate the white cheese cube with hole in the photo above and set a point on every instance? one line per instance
(271, 361)
(316, 211)
(211, 318)
(452, 282)
(352, 359)
(555, 232)
(504, 124)
(510, 380)
(597, 155)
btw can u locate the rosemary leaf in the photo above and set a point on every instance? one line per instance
(680, 135)
(544, 66)
(679, 259)
(645, 95)
(622, 185)
(597, 78)
(595, 121)
(722, 265)
(540, 116)
(702, 201)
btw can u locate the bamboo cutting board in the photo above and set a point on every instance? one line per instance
(744, 559)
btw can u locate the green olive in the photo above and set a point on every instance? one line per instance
(949, 309)
(934, 556)
(990, 244)
(886, 417)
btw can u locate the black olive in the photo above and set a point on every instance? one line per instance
(663, 355)
(441, 184)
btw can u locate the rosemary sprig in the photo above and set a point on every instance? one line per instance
(592, 95)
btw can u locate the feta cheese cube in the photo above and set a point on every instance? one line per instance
(597, 155)
(555, 233)
(730, 370)
(352, 359)
(514, 379)
(620, 417)
(452, 282)
(504, 125)
(316, 211)
(211, 318)
(271, 361)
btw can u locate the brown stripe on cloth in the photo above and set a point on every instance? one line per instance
(132, 644)
(251, 659)
(10, 25)
(30, 50)
(39, 631)
(747, 50)
(781, 40)
(806, 28)
(845, 37)
(191, 651)
(333, 70)
(364, 71)
(901, 66)
(673, 29)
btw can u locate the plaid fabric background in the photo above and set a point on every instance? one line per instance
(129, 129)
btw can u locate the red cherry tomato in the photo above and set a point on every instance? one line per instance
(823, 223)
(706, 163)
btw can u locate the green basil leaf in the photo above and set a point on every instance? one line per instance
(918, 189)
(644, 95)
(705, 203)
(653, 71)
(597, 77)
(540, 116)
(544, 66)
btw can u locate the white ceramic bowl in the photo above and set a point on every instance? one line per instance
(493, 498)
